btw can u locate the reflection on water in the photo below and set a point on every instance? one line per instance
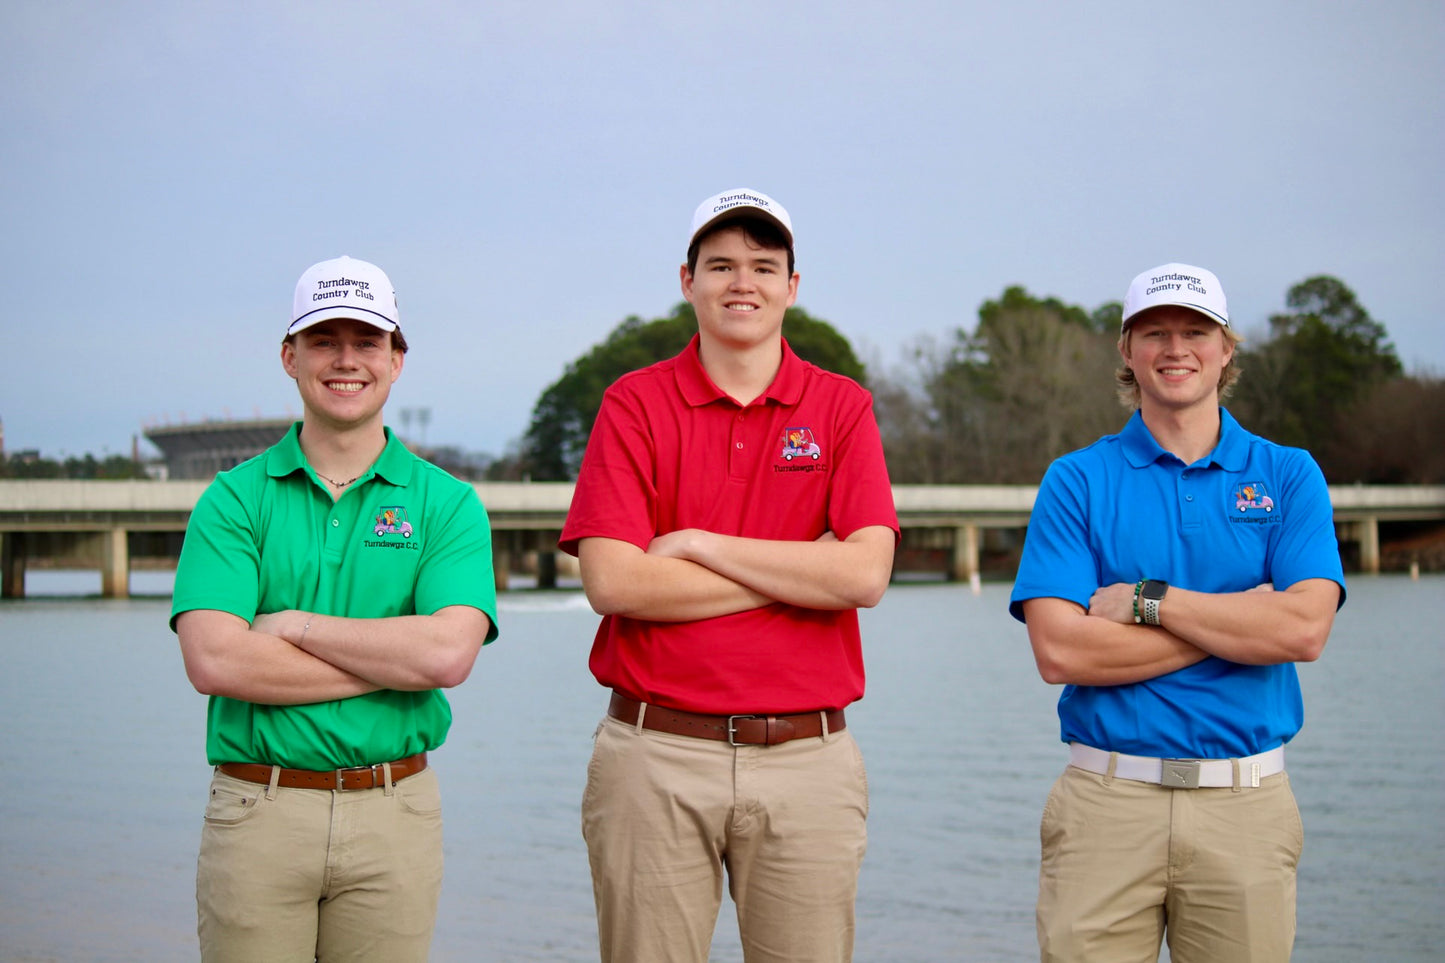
(958, 732)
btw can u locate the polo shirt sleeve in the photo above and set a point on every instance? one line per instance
(456, 568)
(1305, 546)
(861, 494)
(1057, 560)
(615, 495)
(220, 561)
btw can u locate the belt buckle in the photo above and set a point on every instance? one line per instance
(1180, 773)
(341, 777)
(733, 729)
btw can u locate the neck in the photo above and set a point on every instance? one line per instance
(744, 373)
(1187, 433)
(342, 456)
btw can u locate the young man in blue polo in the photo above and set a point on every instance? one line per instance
(1171, 577)
(327, 590)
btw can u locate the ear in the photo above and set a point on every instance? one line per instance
(398, 358)
(793, 288)
(685, 279)
(288, 357)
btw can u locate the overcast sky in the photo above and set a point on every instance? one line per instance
(526, 171)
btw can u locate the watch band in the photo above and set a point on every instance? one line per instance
(1151, 611)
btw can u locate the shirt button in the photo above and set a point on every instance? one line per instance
(740, 444)
(1189, 498)
(335, 522)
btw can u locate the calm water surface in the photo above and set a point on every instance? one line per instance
(100, 824)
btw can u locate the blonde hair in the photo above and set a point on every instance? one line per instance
(1127, 385)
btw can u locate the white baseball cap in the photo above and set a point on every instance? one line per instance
(344, 288)
(739, 203)
(1181, 284)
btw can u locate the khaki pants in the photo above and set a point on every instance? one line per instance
(664, 815)
(292, 874)
(1124, 862)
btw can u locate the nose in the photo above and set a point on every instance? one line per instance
(346, 356)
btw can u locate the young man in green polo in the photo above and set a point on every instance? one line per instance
(328, 589)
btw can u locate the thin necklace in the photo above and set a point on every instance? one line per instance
(334, 481)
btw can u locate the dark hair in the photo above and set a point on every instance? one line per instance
(760, 230)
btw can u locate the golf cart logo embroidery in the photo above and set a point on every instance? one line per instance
(1252, 503)
(392, 529)
(798, 445)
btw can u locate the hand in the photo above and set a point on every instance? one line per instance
(288, 624)
(1114, 602)
(676, 544)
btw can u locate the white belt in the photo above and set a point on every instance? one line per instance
(1180, 773)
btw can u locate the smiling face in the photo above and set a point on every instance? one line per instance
(344, 370)
(739, 290)
(1177, 356)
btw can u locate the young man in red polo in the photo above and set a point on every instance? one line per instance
(732, 513)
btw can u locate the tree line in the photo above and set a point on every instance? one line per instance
(1034, 378)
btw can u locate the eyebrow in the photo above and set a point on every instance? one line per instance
(767, 259)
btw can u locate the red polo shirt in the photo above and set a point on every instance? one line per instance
(669, 451)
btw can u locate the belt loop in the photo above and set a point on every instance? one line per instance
(386, 777)
(823, 720)
(271, 786)
(641, 714)
(1234, 766)
(1109, 773)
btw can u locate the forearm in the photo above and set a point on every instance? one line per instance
(408, 653)
(1255, 627)
(823, 574)
(620, 579)
(223, 657)
(1072, 647)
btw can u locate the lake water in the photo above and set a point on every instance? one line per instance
(107, 781)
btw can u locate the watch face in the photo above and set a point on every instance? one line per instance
(1154, 589)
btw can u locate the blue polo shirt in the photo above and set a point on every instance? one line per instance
(1123, 509)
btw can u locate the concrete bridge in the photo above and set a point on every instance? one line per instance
(117, 526)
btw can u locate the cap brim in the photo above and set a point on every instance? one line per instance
(1173, 304)
(351, 313)
(742, 213)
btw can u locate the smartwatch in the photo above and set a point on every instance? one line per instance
(1150, 595)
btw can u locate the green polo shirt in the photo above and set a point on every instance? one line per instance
(405, 539)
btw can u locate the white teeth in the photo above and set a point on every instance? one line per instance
(344, 386)
(742, 307)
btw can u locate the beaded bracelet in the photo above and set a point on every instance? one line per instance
(1138, 589)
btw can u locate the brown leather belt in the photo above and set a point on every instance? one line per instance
(738, 730)
(360, 777)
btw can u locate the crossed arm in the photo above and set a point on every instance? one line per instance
(694, 574)
(278, 660)
(1103, 646)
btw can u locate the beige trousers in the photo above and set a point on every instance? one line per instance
(297, 874)
(666, 817)
(1124, 863)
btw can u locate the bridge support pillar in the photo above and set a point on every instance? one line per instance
(12, 565)
(1367, 531)
(114, 564)
(546, 569)
(963, 561)
(501, 565)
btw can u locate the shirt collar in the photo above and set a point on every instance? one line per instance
(698, 389)
(1142, 450)
(394, 465)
